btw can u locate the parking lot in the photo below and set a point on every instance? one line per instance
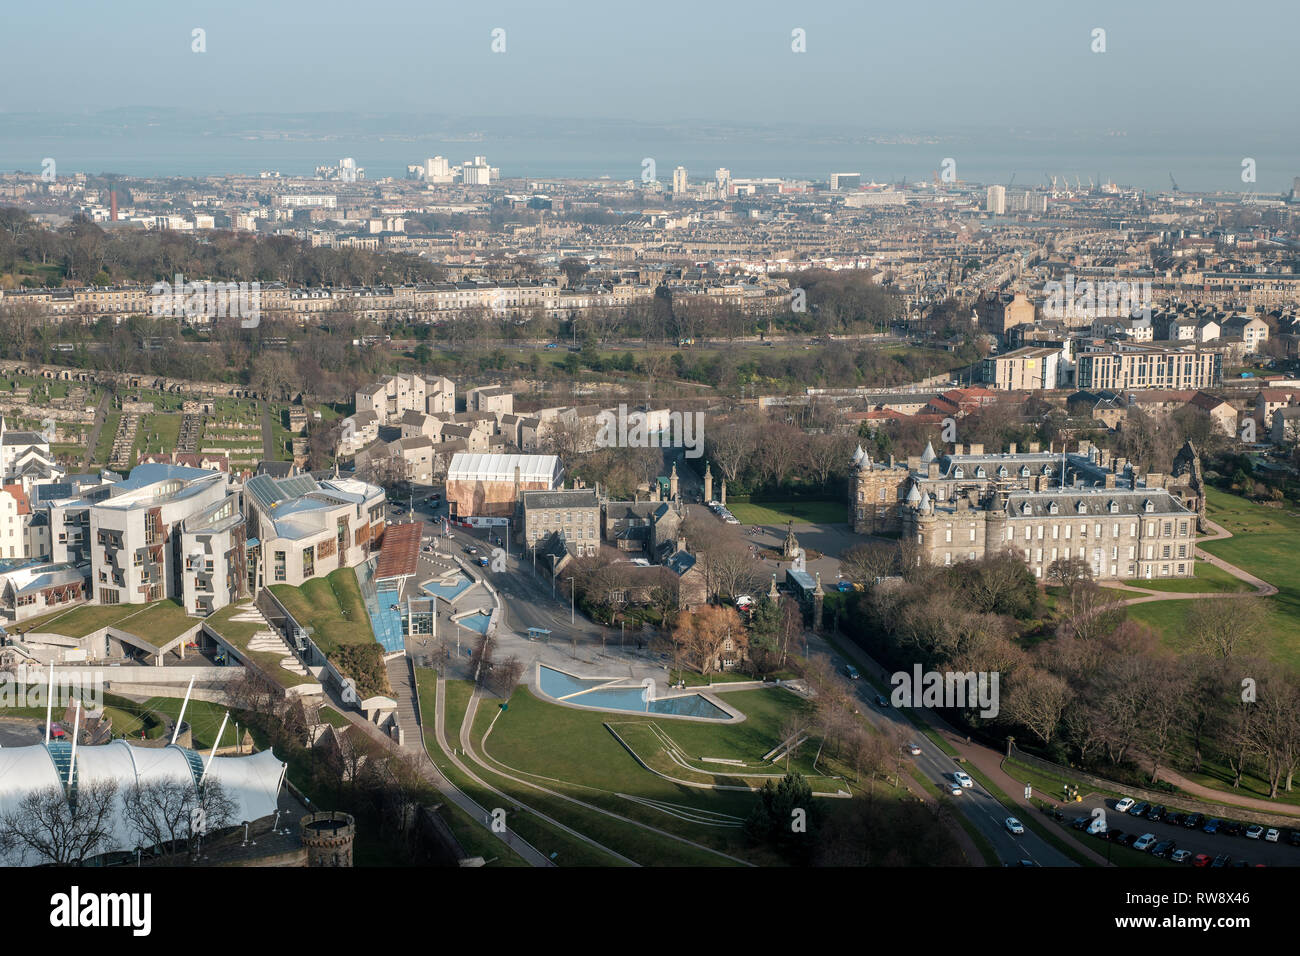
(1236, 848)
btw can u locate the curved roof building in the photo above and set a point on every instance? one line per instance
(252, 783)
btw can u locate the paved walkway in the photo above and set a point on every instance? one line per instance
(1261, 587)
(101, 414)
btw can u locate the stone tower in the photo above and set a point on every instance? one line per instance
(819, 597)
(672, 483)
(328, 837)
(708, 483)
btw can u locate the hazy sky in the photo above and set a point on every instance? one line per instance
(908, 64)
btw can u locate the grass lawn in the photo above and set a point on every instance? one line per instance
(1263, 543)
(239, 633)
(155, 623)
(104, 447)
(332, 606)
(782, 512)
(1208, 578)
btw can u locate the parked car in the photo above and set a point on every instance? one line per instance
(1163, 848)
(1014, 826)
(1254, 831)
(1139, 808)
(1220, 861)
(1174, 819)
(1272, 834)
(1193, 820)
(1124, 804)
(1156, 813)
(1212, 825)
(1097, 828)
(1293, 837)
(1115, 836)
(1079, 823)
(1128, 839)
(1201, 859)
(1181, 856)
(844, 587)
(1145, 842)
(1231, 828)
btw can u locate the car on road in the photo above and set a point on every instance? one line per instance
(851, 672)
(1145, 842)
(955, 789)
(1163, 848)
(1254, 831)
(470, 549)
(1124, 804)
(484, 562)
(882, 700)
(914, 750)
(963, 778)
(1212, 825)
(1272, 834)
(1014, 826)
(1139, 808)
(1181, 856)
(552, 345)
(1201, 859)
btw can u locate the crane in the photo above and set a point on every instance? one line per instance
(1172, 182)
(1013, 181)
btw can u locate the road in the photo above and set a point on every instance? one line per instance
(978, 806)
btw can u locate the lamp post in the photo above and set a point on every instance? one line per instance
(552, 577)
(572, 603)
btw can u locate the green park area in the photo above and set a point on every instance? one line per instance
(1264, 544)
(618, 778)
(783, 512)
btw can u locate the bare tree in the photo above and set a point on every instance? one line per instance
(864, 563)
(46, 826)
(1036, 700)
(1226, 628)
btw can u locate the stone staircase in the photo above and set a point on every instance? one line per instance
(268, 640)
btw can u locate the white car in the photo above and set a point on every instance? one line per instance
(1145, 842)
(914, 750)
(963, 778)
(1254, 831)
(954, 789)
(1124, 805)
(1014, 825)
(1097, 826)
(1272, 835)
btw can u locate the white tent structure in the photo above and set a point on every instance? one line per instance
(252, 782)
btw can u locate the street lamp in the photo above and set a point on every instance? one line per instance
(572, 604)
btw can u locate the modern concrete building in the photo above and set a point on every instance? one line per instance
(300, 528)
(216, 557)
(1123, 366)
(135, 531)
(1026, 369)
(389, 398)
